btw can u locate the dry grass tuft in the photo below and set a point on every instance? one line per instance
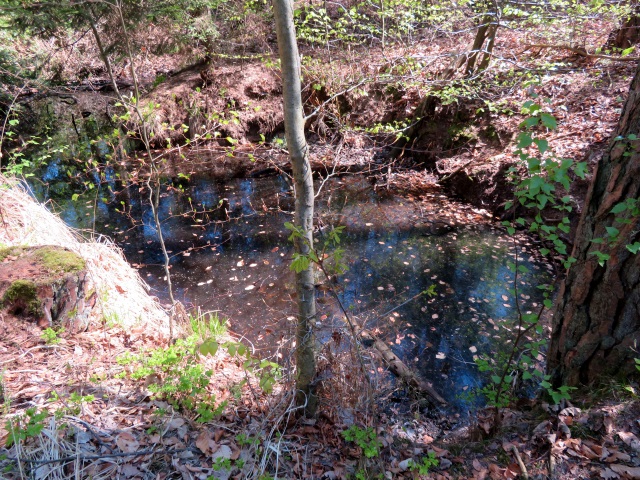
(122, 295)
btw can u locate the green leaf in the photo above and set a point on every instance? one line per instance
(530, 122)
(612, 231)
(627, 51)
(495, 379)
(548, 121)
(633, 248)
(619, 208)
(543, 145)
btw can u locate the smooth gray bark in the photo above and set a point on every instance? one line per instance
(303, 181)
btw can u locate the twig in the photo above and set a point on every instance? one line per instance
(523, 468)
(107, 455)
(30, 350)
(330, 99)
(581, 52)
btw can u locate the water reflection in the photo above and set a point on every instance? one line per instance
(230, 253)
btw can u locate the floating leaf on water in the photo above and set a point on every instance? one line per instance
(440, 356)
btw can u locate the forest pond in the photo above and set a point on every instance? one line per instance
(230, 254)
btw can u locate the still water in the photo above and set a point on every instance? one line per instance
(230, 254)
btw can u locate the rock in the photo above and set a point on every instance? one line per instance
(406, 464)
(46, 284)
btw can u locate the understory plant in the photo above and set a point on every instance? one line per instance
(542, 183)
(175, 374)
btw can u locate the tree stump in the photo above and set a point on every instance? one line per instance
(47, 285)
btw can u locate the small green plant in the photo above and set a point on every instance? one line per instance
(25, 426)
(266, 371)
(51, 336)
(425, 464)
(76, 401)
(207, 325)
(221, 463)
(244, 440)
(365, 438)
(177, 377)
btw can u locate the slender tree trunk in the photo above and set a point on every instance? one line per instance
(303, 181)
(596, 325)
(103, 54)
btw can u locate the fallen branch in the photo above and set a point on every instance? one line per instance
(581, 52)
(521, 465)
(398, 367)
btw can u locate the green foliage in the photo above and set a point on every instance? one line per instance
(207, 325)
(330, 258)
(538, 179)
(221, 463)
(545, 176)
(424, 465)
(175, 375)
(72, 404)
(25, 426)
(266, 371)
(365, 438)
(362, 21)
(51, 336)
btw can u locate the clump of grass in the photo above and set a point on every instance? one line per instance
(207, 325)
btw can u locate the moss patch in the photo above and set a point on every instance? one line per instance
(22, 295)
(56, 259)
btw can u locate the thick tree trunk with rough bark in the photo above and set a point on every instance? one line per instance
(299, 156)
(596, 325)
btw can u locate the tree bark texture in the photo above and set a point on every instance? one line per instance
(304, 193)
(596, 322)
